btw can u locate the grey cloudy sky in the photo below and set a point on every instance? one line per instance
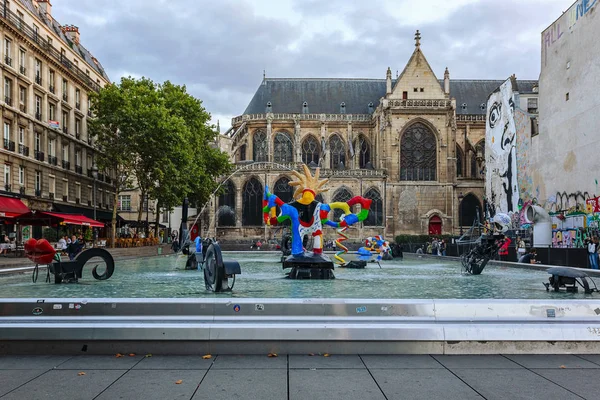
(219, 48)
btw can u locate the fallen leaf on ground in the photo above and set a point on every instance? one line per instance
(272, 355)
(119, 355)
(311, 354)
(562, 366)
(326, 355)
(179, 382)
(81, 373)
(206, 357)
(131, 354)
(148, 355)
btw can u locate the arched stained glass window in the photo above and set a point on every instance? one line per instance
(459, 161)
(259, 149)
(362, 148)
(226, 212)
(311, 151)
(418, 154)
(342, 194)
(468, 209)
(283, 148)
(337, 152)
(252, 214)
(375, 217)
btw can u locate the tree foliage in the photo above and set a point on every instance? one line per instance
(159, 135)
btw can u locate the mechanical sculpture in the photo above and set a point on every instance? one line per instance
(307, 217)
(207, 257)
(486, 247)
(42, 253)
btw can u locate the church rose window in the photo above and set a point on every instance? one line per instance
(375, 217)
(252, 214)
(337, 152)
(418, 154)
(260, 147)
(311, 151)
(226, 203)
(283, 149)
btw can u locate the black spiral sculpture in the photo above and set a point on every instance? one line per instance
(71, 271)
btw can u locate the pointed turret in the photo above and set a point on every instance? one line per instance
(446, 81)
(388, 81)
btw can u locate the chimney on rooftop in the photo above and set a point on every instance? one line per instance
(72, 32)
(46, 8)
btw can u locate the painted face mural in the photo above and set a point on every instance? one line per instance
(500, 150)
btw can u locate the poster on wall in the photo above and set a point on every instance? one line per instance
(502, 189)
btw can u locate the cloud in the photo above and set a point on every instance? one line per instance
(220, 49)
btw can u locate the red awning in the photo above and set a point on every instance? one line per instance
(76, 219)
(11, 207)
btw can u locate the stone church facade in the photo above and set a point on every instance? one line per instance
(413, 144)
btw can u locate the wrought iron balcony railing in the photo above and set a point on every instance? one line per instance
(23, 150)
(66, 164)
(52, 160)
(9, 145)
(39, 155)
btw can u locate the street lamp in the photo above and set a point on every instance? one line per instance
(95, 176)
(460, 213)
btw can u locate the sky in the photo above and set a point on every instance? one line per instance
(220, 48)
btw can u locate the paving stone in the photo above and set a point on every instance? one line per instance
(101, 362)
(595, 358)
(160, 385)
(400, 361)
(12, 379)
(551, 361)
(513, 384)
(329, 384)
(422, 384)
(582, 382)
(470, 361)
(319, 362)
(31, 362)
(250, 362)
(243, 384)
(174, 362)
(66, 384)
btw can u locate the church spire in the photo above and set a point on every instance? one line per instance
(418, 39)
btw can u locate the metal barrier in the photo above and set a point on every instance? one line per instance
(299, 325)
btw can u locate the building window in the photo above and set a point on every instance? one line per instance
(252, 203)
(36, 32)
(124, 203)
(535, 128)
(8, 91)
(364, 151)
(7, 135)
(38, 142)
(340, 195)
(418, 154)
(165, 217)
(226, 212)
(343, 108)
(38, 183)
(283, 148)
(78, 158)
(7, 180)
(305, 108)
(7, 51)
(66, 189)
(77, 128)
(21, 175)
(51, 184)
(21, 135)
(77, 98)
(22, 62)
(567, 96)
(78, 191)
(260, 146)
(337, 153)
(65, 152)
(422, 90)
(22, 98)
(415, 90)
(375, 217)
(38, 107)
(311, 151)
(38, 71)
(459, 161)
(52, 112)
(51, 81)
(285, 192)
(65, 90)
(51, 148)
(65, 120)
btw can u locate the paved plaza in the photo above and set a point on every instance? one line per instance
(302, 377)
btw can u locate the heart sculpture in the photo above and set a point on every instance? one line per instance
(39, 251)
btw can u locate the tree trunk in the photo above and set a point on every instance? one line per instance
(141, 207)
(113, 228)
(156, 227)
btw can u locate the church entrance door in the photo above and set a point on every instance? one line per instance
(435, 225)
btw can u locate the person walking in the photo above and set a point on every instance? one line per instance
(520, 248)
(592, 253)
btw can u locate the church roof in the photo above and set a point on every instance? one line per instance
(324, 96)
(77, 48)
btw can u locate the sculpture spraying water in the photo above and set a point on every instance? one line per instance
(307, 217)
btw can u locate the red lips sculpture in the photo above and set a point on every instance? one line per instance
(39, 251)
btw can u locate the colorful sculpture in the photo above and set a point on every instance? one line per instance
(308, 216)
(378, 244)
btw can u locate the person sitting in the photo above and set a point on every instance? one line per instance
(529, 258)
(420, 250)
(74, 248)
(62, 245)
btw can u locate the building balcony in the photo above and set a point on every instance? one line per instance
(66, 164)
(8, 100)
(8, 61)
(78, 106)
(65, 97)
(38, 116)
(23, 108)
(39, 155)
(78, 169)
(38, 193)
(51, 89)
(9, 145)
(23, 70)
(52, 160)
(7, 188)
(38, 80)
(24, 150)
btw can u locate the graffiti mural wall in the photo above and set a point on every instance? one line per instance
(502, 188)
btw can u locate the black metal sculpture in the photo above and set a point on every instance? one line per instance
(71, 271)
